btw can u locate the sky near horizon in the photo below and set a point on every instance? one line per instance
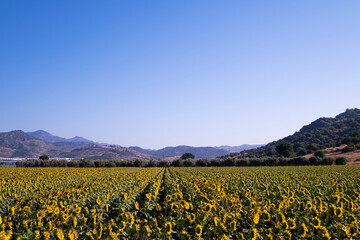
(167, 73)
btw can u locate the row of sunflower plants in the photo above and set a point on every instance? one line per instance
(281, 203)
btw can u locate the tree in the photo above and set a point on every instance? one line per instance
(301, 152)
(312, 148)
(44, 157)
(285, 149)
(340, 161)
(314, 160)
(348, 148)
(187, 156)
(319, 153)
(138, 163)
(188, 163)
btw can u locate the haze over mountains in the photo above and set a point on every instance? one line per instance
(33, 144)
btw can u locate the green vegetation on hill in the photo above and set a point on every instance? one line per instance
(320, 134)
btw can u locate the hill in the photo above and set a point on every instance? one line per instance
(19, 144)
(34, 144)
(105, 152)
(71, 143)
(320, 134)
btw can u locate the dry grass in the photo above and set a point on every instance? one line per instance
(335, 152)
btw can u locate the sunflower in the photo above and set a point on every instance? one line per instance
(65, 217)
(98, 201)
(305, 230)
(318, 222)
(168, 227)
(148, 196)
(224, 237)
(255, 233)
(191, 217)
(46, 235)
(186, 234)
(73, 235)
(60, 234)
(216, 221)
(158, 207)
(75, 221)
(292, 223)
(123, 223)
(198, 230)
(256, 218)
(93, 211)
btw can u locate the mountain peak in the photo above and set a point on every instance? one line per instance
(79, 139)
(46, 136)
(16, 131)
(42, 132)
(349, 113)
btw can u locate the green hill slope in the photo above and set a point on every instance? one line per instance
(320, 134)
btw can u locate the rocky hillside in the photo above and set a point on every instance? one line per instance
(19, 144)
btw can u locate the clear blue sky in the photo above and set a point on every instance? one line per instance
(165, 73)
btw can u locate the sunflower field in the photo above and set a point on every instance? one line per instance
(180, 203)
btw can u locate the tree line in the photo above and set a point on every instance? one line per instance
(249, 162)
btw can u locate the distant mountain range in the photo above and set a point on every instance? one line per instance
(75, 142)
(48, 137)
(240, 148)
(19, 144)
(199, 152)
(33, 144)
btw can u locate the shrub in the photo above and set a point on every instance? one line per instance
(327, 161)
(44, 157)
(340, 161)
(312, 148)
(319, 153)
(349, 148)
(187, 156)
(315, 161)
(285, 149)
(301, 152)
